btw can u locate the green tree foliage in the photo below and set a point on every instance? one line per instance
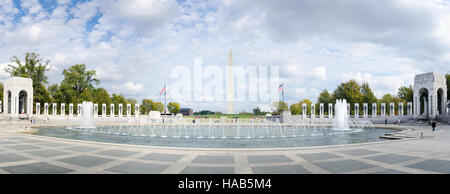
(308, 105)
(1, 93)
(146, 106)
(158, 106)
(279, 107)
(389, 98)
(368, 96)
(325, 97)
(132, 102)
(296, 109)
(101, 96)
(173, 107)
(257, 111)
(86, 95)
(149, 105)
(351, 91)
(33, 68)
(118, 99)
(406, 93)
(79, 78)
(447, 77)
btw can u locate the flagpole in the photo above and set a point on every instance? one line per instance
(165, 98)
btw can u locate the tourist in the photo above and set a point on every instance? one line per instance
(433, 125)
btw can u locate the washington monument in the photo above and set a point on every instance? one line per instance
(230, 84)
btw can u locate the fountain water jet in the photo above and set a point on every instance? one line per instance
(341, 119)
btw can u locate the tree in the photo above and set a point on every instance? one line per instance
(146, 106)
(158, 106)
(86, 95)
(368, 96)
(308, 105)
(279, 107)
(54, 92)
(389, 98)
(101, 96)
(406, 93)
(33, 68)
(173, 107)
(66, 94)
(1, 94)
(350, 91)
(132, 102)
(118, 99)
(296, 109)
(43, 96)
(447, 78)
(79, 78)
(257, 111)
(326, 98)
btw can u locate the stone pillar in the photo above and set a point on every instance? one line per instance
(409, 108)
(55, 109)
(46, 109)
(1, 107)
(365, 110)
(374, 109)
(70, 109)
(136, 110)
(38, 108)
(79, 110)
(313, 110)
(383, 109)
(120, 110)
(95, 110)
(103, 110)
(321, 110)
(400, 109)
(391, 109)
(304, 110)
(356, 110)
(330, 110)
(425, 107)
(128, 110)
(63, 109)
(112, 110)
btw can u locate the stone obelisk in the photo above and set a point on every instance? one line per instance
(230, 84)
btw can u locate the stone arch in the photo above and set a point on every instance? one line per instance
(23, 102)
(18, 98)
(424, 101)
(428, 87)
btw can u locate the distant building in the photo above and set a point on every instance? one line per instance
(186, 111)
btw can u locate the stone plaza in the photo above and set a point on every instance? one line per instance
(425, 152)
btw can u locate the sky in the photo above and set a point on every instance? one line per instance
(134, 45)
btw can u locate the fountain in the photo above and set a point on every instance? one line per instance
(86, 113)
(341, 119)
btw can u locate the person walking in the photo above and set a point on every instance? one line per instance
(433, 125)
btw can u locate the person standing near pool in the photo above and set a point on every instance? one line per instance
(433, 125)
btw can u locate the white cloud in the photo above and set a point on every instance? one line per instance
(128, 88)
(135, 43)
(3, 74)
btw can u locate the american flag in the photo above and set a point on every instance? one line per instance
(280, 88)
(163, 90)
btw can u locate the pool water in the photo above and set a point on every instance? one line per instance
(218, 137)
